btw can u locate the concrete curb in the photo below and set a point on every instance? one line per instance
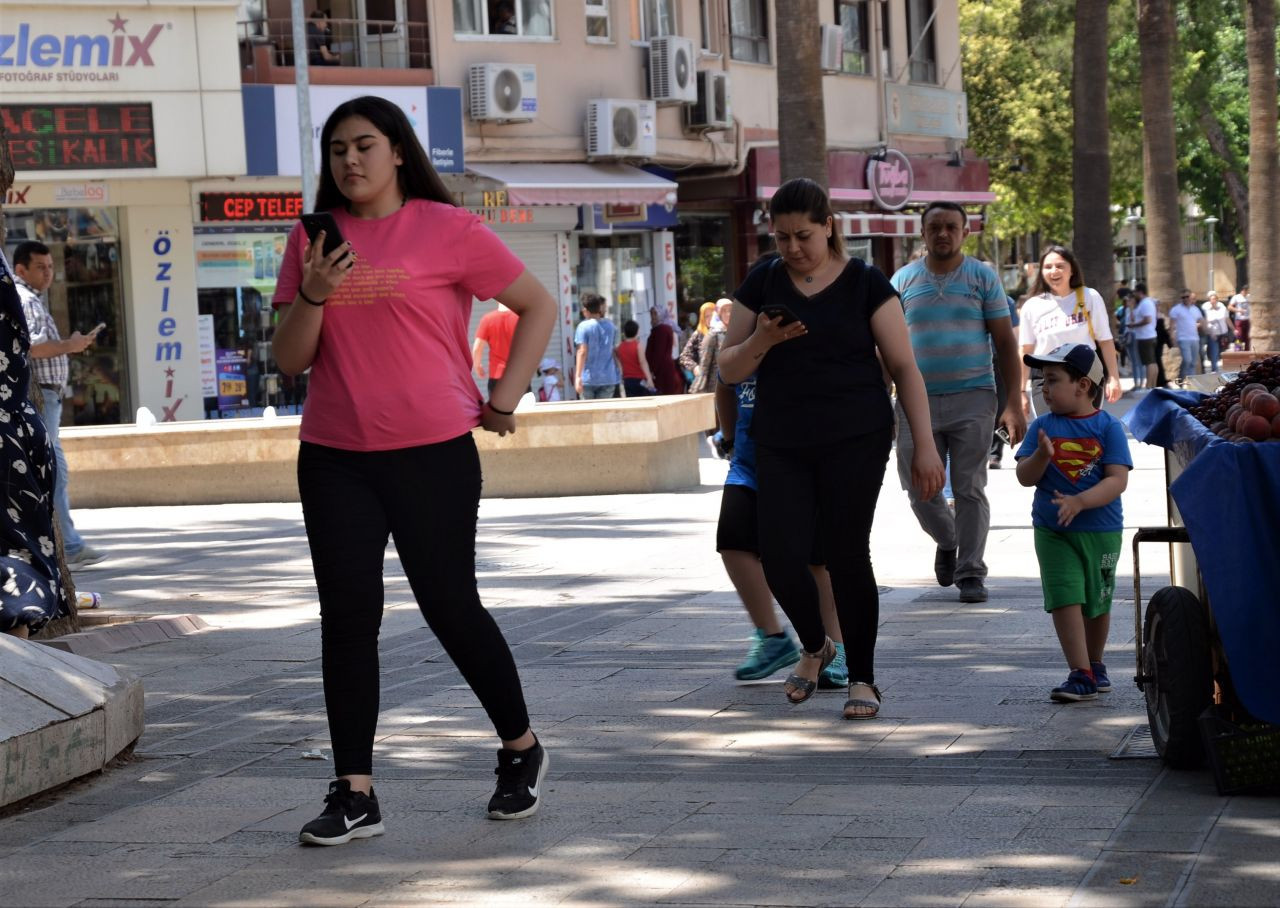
(114, 637)
(64, 717)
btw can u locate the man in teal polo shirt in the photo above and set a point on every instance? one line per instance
(956, 313)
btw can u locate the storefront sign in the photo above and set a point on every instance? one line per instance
(80, 194)
(250, 206)
(271, 123)
(73, 46)
(664, 272)
(922, 111)
(79, 136)
(16, 196)
(890, 180)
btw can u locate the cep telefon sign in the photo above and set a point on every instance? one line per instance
(90, 136)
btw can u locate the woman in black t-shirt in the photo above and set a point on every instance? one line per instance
(810, 322)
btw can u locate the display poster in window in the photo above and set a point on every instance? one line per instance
(233, 380)
(239, 260)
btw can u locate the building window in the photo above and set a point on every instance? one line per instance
(851, 15)
(657, 18)
(921, 18)
(749, 30)
(598, 20)
(515, 18)
(705, 15)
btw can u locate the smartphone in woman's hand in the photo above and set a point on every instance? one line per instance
(317, 221)
(777, 310)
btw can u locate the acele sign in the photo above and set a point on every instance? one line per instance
(250, 206)
(79, 136)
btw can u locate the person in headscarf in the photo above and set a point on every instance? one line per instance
(659, 351)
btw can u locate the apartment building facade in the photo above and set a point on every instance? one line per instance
(626, 147)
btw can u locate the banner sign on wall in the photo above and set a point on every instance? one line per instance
(239, 259)
(208, 356)
(233, 383)
(271, 123)
(79, 136)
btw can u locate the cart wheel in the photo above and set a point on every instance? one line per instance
(1176, 662)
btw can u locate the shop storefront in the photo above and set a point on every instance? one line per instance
(107, 118)
(877, 204)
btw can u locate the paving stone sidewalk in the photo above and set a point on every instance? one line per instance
(671, 784)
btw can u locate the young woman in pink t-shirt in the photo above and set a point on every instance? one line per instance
(386, 446)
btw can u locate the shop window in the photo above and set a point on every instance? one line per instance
(236, 274)
(749, 30)
(503, 18)
(921, 19)
(620, 269)
(598, 21)
(851, 15)
(87, 290)
(704, 267)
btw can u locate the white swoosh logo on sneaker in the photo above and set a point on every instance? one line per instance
(351, 823)
(533, 791)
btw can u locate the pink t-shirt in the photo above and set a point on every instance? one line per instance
(393, 365)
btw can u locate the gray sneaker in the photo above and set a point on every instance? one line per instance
(85, 557)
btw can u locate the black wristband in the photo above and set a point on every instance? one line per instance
(307, 299)
(490, 405)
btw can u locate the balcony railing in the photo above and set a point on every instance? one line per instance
(369, 43)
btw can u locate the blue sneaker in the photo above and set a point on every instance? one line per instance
(1078, 686)
(766, 656)
(836, 675)
(1100, 677)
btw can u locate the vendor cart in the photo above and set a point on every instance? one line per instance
(1207, 644)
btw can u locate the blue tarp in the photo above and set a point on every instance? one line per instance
(1229, 498)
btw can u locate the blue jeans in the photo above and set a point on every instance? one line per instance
(1135, 362)
(71, 540)
(1214, 351)
(1190, 350)
(599, 392)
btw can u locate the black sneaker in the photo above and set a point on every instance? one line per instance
(347, 815)
(944, 566)
(520, 775)
(972, 589)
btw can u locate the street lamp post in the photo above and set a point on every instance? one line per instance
(1210, 222)
(1132, 221)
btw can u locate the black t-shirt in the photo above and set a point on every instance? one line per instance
(826, 385)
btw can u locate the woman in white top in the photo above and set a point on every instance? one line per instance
(1061, 310)
(1218, 330)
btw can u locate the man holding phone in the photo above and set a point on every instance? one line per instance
(33, 265)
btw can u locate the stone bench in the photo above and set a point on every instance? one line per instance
(644, 444)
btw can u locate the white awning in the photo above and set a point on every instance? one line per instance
(578, 184)
(872, 223)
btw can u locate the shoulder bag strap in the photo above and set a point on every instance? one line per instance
(1081, 309)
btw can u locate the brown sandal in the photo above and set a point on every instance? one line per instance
(854, 703)
(804, 685)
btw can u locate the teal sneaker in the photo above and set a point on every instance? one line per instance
(836, 675)
(766, 656)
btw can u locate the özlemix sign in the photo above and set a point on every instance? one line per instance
(61, 49)
(891, 181)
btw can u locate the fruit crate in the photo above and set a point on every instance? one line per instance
(1245, 756)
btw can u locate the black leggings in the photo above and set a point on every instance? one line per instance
(839, 483)
(427, 499)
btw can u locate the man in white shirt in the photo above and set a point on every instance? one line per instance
(1238, 306)
(1187, 319)
(1140, 322)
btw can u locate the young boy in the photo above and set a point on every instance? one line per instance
(636, 377)
(1078, 459)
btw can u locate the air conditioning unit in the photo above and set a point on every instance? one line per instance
(672, 73)
(712, 109)
(619, 128)
(502, 91)
(832, 48)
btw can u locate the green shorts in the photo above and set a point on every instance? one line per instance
(1078, 569)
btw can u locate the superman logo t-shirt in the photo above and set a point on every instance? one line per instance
(1082, 447)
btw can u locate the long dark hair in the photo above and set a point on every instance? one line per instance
(415, 175)
(1077, 279)
(804, 196)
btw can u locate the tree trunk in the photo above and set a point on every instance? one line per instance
(1165, 278)
(1264, 174)
(802, 124)
(1237, 186)
(1091, 154)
